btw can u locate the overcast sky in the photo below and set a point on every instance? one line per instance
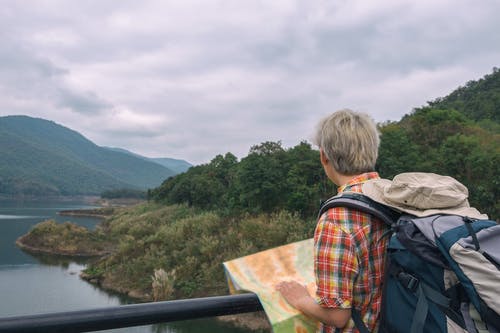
(193, 79)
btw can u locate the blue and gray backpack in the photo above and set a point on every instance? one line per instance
(442, 271)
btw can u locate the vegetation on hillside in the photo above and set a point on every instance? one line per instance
(184, 242)
(65, 239)
(448, 143)
(40, 157)
(269, 179)
(477, 100)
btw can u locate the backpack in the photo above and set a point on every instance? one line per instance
(442, 271)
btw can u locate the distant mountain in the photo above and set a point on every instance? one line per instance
(178, 166)
(40, 157)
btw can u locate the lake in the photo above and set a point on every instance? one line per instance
(41, 284)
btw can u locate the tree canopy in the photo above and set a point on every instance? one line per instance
(270, 178)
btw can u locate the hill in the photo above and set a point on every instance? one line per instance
(477, 100)
(456, 135)
(176, 165)
(40, 157)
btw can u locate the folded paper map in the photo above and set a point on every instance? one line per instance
(261, 272)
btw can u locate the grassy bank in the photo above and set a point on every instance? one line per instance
(66, 238)
(187, 246)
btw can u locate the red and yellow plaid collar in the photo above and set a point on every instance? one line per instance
(358, 180)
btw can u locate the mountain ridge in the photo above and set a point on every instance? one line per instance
(174, 164)
(41, 157)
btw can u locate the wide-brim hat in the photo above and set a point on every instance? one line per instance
(422, 194)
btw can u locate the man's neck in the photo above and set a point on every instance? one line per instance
(341, 179)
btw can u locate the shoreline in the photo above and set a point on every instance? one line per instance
(88, 199)
(99, 213)
(93, 200)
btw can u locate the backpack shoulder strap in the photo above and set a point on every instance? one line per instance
(362, 203)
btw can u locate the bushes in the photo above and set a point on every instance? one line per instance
(191, 243)
(65, 238)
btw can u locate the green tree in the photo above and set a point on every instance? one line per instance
(397, 153)
(476, 165)
(306, 181)
(429, 127)
(268, 179)
(261, 178)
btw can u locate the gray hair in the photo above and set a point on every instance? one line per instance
(350, 141)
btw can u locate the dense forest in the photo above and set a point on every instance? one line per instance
(269, 179)
(457, 135)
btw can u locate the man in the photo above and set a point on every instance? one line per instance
(349, 247)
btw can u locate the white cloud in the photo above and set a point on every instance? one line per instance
(56, 37)
(192, 79)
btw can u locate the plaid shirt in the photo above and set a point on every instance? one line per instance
(349, 260)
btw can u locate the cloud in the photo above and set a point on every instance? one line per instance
(26, 76)
(192, 79)
(82, 102)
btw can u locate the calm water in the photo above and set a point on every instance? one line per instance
(41, 284)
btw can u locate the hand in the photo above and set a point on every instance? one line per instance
(294, 293)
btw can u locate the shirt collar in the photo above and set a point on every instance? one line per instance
(358, 180)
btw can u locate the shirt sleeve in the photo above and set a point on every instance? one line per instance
(335, 262)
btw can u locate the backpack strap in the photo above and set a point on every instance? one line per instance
(360, 202)
(424, 293)
(358, 321)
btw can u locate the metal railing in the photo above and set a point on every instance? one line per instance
(131, 315)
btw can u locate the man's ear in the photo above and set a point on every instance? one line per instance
(322, 156)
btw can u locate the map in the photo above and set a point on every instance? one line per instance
(260, 272)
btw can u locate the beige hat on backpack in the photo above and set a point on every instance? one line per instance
(422, 194)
